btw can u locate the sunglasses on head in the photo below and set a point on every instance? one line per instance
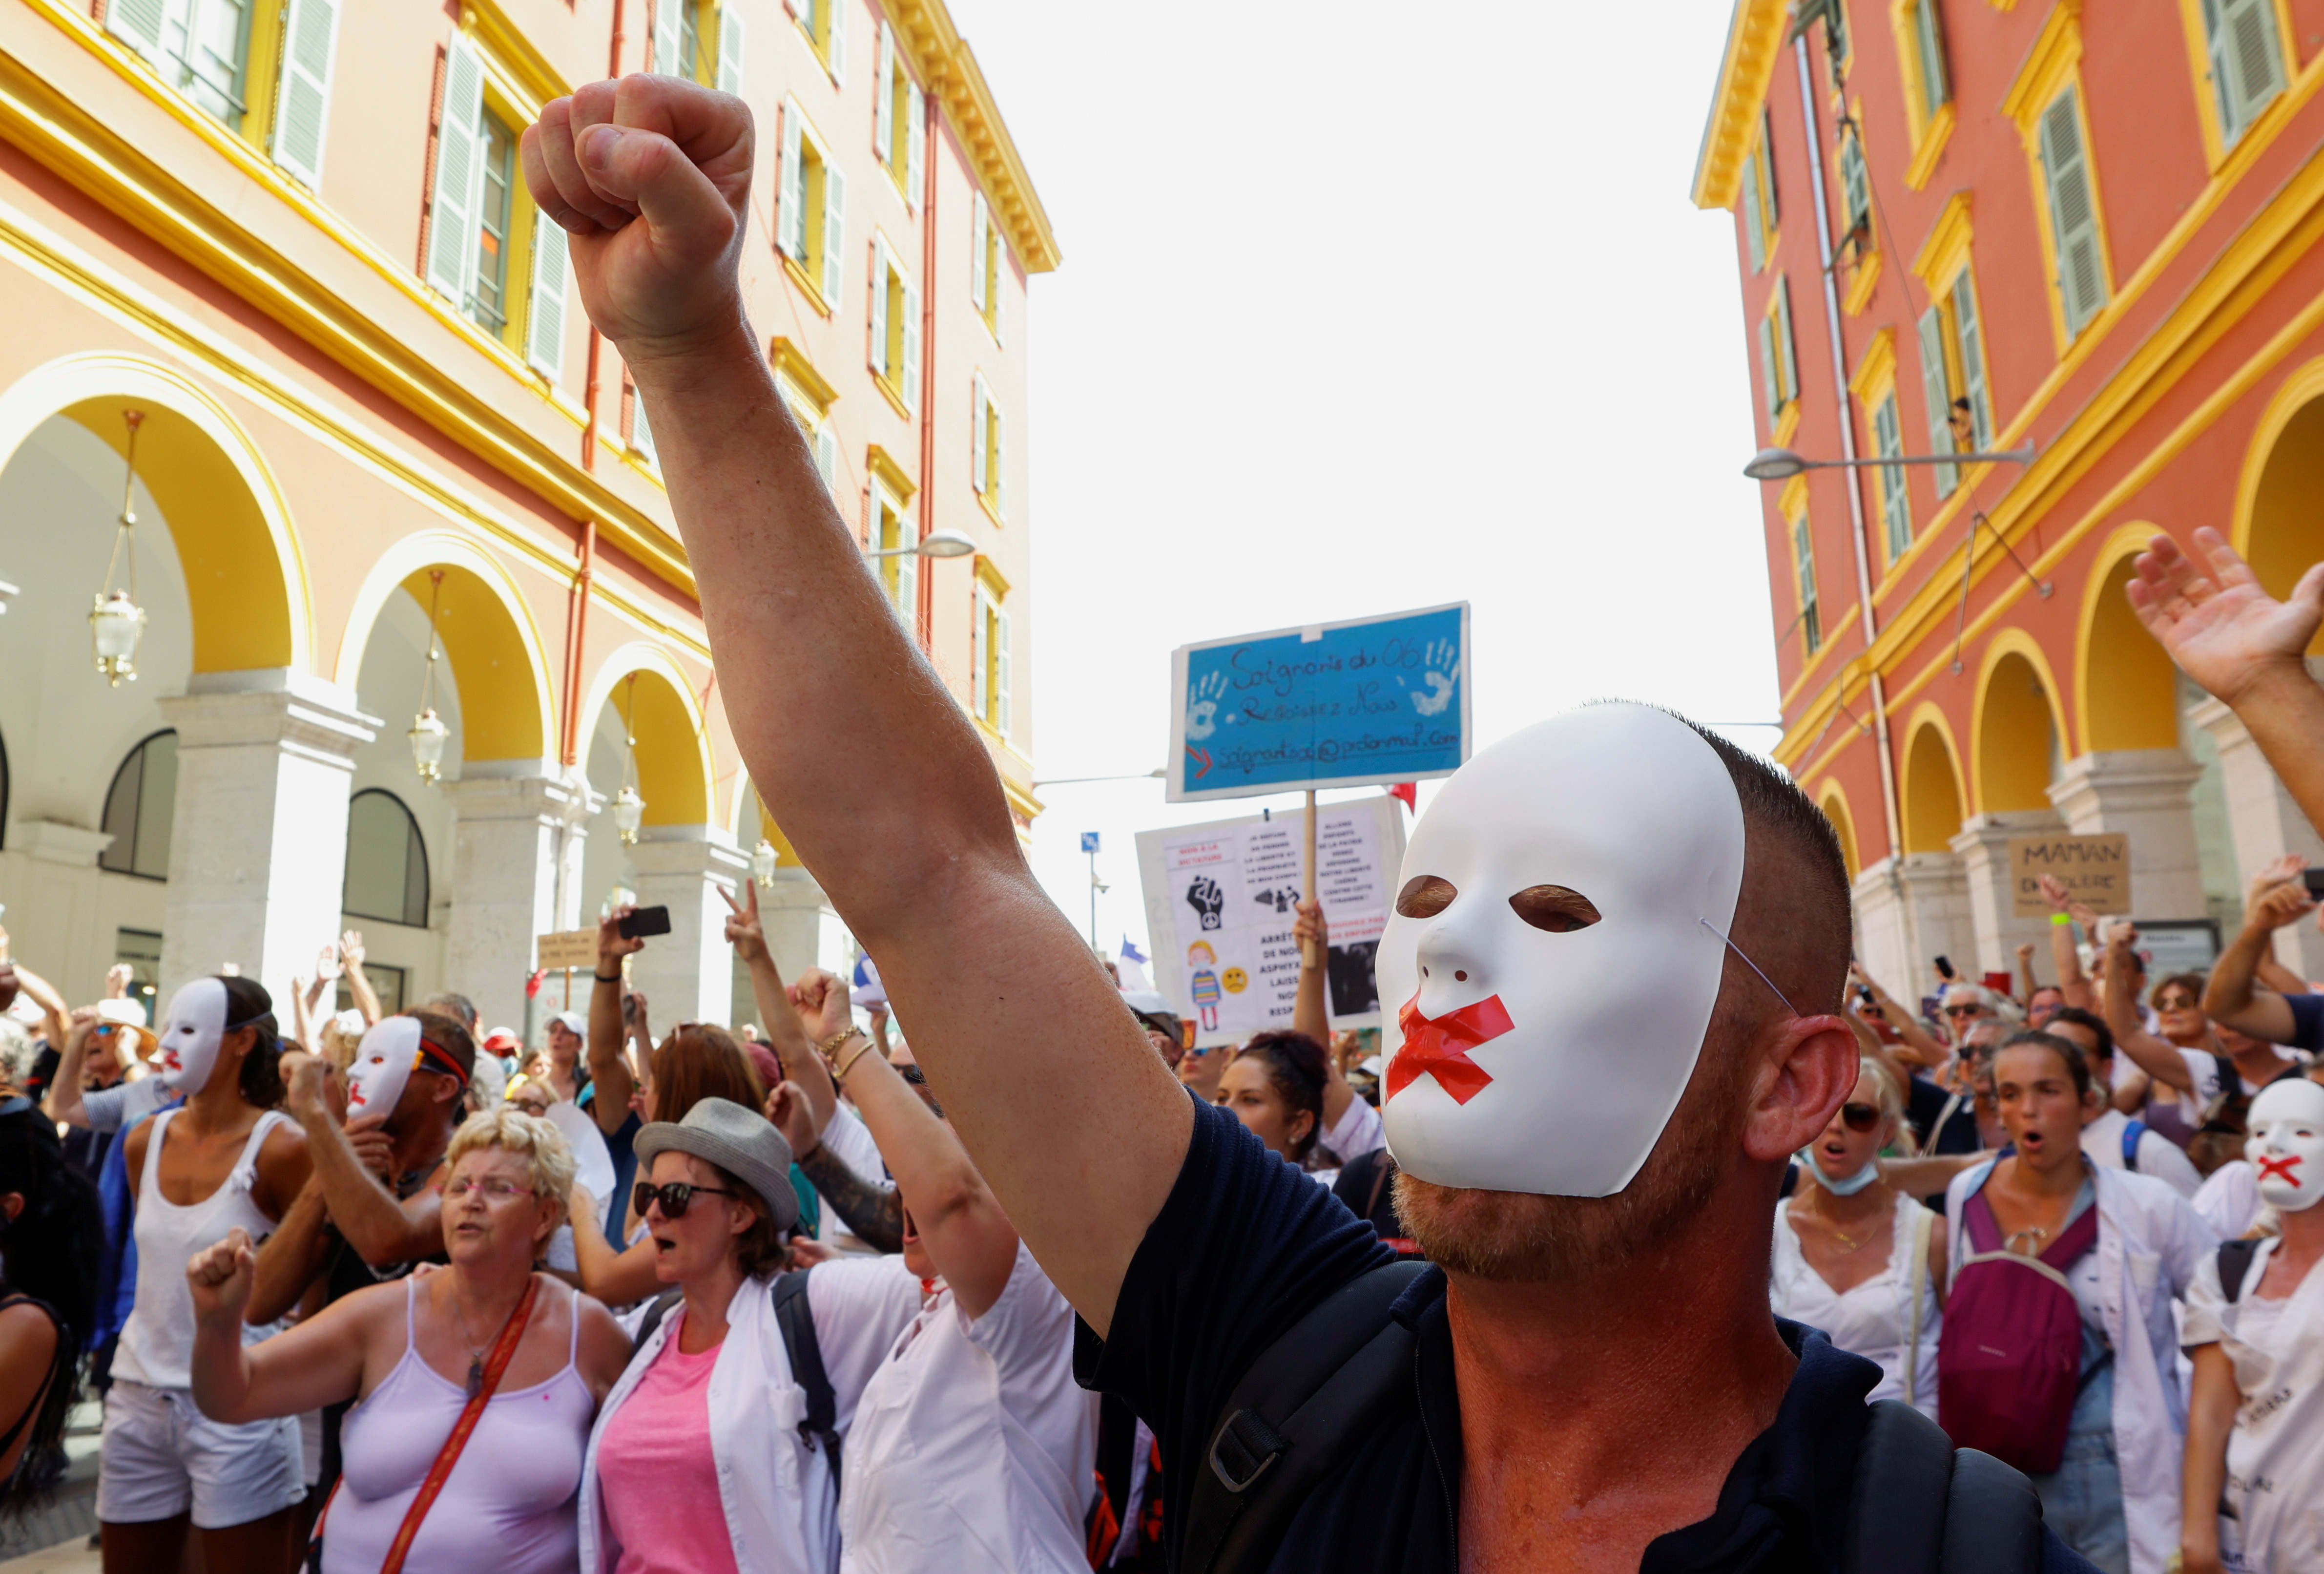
(1860, 1117)
(674, 1197)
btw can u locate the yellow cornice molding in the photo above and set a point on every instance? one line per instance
(1793, 501)
(988, 575)
(2057, 50)
(1931, 147)
(507, 44)
(790, 361)
(1946, 251)
(947, 69)
(1755, 41)
(1860, 288)
(1785, 424)
(892, 475)
(1876, 368)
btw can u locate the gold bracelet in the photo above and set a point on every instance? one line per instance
(831, 1045)
(839, 1073)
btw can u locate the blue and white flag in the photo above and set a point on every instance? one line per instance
(866, 988)
(1131, 967)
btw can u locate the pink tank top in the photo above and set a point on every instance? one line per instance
(658, 1475)
(508, 1506)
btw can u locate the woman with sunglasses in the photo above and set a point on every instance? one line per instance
(698, 1461)
(413, 1354)
(1859, 1259)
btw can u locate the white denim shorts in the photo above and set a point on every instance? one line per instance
(162, 1456)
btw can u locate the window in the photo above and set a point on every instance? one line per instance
(988, 267)
(141, 948)
(1896, 501)
(201, 47)
(825, 24)
(890, 527)
(487, 249)
(895, 353)
(810, 226)
(810, 399)
(488, 294)
(309, 42)
(641, 437)
(387, 862)
(989, 662)
(1928, 88)
(2246, 61)
(391, 984)
(1803, 563)
(1856, 185)
(1759, 196)
(139, 807)
(989, 451)
(2080, 275)
(1952, 377)
(1779, 368)
(689, 54)
(900, 119)
(683, 31)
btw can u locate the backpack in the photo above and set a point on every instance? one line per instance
(818, 1428)
(1917, 1506)
(2132, 1130)
(2009, 1359)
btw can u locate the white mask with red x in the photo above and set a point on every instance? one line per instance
(1542, 1050)
(2286, 1144)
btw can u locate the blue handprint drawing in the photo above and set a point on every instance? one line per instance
(1203, 707)
(1441, 673)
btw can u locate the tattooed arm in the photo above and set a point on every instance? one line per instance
(869, 1207)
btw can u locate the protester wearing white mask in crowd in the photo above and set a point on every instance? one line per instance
(227, 1160)
(2254, 1484)
(1859, 1259)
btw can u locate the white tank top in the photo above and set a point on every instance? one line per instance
(1875, 1318)
(157, 1342)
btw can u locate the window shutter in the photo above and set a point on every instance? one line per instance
(834, 230)
(1857, 182)
(911, 389)
(980, 610)
(1972, 354)
(544, 328)
(1895, 497)
(907, 571)
(1767, 165)
(2254, 72)
(138, 23)
(1001, 651)
(1928, 37)
(980, 414)
(730, 47)
(1784, 344)
(1937, 392)
(878, 355)
(790, 223)
(640, 434)
(309, 33)
(1770, 383)
(1000, 462)
(976, 252)
(2073, 217)
(459, 171)
(1749, 209)
(883, 99)
(916, 129)
(826, 456)
(664, 36)
(834, 42)
(998, 287)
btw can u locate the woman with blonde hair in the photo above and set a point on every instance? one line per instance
(484, 1353)
(1859, 1259)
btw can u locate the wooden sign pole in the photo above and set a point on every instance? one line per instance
(1310, 953)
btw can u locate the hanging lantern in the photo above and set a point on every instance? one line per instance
(629, 804)
(763, 862)
(429, 732)
(115, 622)
(628, 813)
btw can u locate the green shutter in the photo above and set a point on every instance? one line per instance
(1749, 209)
(1937, 392)
(1804, 559)
(1971, 338)
(1767, 163)
(1785, 346)
(1928, 40)
(2246, 61)
(1770, 381)
(1857, 181)
(2073, 217)
(1895, 498)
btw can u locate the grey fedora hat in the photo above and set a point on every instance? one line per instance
(739, 1142)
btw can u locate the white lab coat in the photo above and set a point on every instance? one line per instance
(782, 1508)
(2151, 1244)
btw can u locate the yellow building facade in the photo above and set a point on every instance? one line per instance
(382, 465)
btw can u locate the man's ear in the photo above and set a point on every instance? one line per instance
(1807, 1065)
(12, 1206)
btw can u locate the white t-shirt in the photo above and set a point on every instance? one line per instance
(974, 1449)
(1357, 1132)
(2204, 1067)
(110, 1109)
(2229, 1200)
(2158, 1155)
(2276, 1450)
(849, 1142)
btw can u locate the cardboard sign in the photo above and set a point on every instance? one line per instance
(572, 948)
(2094, 869)
(1219, 909)
(1372, 701)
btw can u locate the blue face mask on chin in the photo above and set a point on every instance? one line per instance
(1850, 1186)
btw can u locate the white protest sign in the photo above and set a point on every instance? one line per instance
(1219, 912)
(592, 1162)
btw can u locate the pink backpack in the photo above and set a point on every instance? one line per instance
(2009, 1360)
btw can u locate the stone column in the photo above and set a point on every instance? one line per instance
(1909, 910)
(2143, 793)
(258, 845)
(1984, 848)
(507, 837)
(55, 905)
(687, 974)
(2266, 824)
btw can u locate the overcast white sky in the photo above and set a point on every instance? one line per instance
(1368, 306)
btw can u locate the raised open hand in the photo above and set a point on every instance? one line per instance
(2222, 629)
(651, 176)
(2271, 875)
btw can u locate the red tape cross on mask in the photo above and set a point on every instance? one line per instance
(1440, 1045)
(2280, 1169)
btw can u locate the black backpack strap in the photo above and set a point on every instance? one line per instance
(1920, 1506)
(1307, 1398)
(796, 1318)
(2235, 1266)
(653, 1319)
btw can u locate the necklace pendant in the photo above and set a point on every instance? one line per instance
(475, 1377)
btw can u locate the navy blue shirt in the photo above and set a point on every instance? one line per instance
(2307, 1022)
(1247, 1244)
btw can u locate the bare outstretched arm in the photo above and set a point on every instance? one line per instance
(1075, 1122)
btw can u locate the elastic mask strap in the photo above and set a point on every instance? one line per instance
(1748, 962)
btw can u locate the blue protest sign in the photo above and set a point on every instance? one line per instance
(1089, 841)
(1373, 700)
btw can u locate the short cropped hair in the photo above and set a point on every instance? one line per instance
(540, 1145)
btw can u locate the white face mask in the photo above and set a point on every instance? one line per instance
(191, 1035)
(2286, 1145)
(384, 1063)
(1550, 1063)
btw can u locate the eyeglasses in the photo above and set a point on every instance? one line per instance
(674, 1197)
(493, 1191)
(1860, 1117)
(2174, 1003)
(1971, 1009)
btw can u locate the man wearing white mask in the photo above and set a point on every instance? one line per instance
(2254, 1497)
(1593, 1103)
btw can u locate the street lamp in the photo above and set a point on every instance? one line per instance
(936, 543)
(427, 730)
(1783, 464)
(763, 862)
(116, 621)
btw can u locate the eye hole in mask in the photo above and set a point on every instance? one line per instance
(1426, 896)
(1554, 908)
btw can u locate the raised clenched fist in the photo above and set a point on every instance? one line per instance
(220, 1278)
